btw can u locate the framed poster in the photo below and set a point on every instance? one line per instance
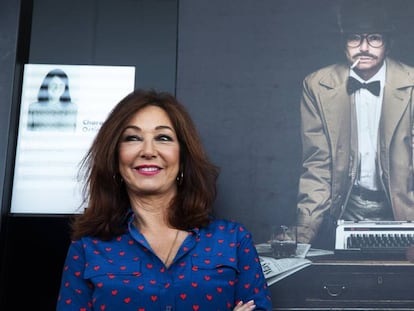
(62, 108)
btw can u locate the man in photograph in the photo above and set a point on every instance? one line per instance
(357, 131)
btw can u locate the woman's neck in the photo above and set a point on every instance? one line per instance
(151, 212)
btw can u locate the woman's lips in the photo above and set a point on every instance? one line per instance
(148, 170)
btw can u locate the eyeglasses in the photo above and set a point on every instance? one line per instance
(375, 40)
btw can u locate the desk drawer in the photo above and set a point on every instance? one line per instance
(363, 286)
(346, 286)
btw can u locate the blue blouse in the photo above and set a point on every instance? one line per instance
(214, 268)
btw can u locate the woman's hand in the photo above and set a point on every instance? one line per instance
(248, 306)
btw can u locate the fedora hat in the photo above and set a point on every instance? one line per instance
(364, 16)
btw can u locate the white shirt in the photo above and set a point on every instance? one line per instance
(368, 110)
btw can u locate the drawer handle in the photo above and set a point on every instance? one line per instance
(334, 290)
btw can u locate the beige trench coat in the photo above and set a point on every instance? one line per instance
(330, 145)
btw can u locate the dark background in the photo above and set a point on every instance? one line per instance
(237, 65)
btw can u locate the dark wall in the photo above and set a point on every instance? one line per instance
(139, 33)
(240, 70)
(13, 53)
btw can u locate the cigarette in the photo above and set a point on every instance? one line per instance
(354, 64)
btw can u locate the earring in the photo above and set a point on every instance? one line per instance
(118, 179)
(180, 178)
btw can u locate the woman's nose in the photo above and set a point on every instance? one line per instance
(148, 149)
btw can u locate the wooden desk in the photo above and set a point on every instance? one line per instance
(330, 284)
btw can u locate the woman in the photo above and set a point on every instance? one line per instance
(54, 109)
(147, 239)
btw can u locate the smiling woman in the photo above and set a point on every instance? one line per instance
(148, 234)
(149, 153)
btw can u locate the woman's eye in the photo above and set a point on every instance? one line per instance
(164, 137)
(132, 138)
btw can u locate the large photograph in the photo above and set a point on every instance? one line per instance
(279, 125)
(62, 108)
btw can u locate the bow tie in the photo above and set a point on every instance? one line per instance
(354, 85)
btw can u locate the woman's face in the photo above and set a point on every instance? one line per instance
(149, 153)
(56, 88)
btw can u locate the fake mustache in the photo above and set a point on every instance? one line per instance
(365, 54)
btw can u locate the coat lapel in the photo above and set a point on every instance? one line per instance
(336, 106)
(397, 94)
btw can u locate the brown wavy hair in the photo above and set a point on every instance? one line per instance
(104, 194)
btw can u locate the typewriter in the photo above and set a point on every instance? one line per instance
(373, 239)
